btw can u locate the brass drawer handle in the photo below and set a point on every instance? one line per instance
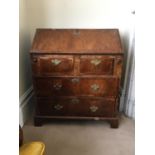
(56, 62)
(95, 62)
(58, 107)
(75, 101)
(93, 108)
(57, 86)
(75, 80)
(95, 87)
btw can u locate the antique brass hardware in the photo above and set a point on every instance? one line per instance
(58, 107)
(93, 108)
(56, 62)
(76, 32)
(75, 101)
(95, 87)
(57, 86)
(95, 62)
(34, 59)
(75, 80)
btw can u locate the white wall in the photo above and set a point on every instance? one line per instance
(25, 79)
(24, 46)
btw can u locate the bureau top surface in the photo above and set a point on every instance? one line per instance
(101, 41)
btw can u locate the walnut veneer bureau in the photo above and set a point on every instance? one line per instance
(77, 74)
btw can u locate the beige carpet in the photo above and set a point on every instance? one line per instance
(83, 138)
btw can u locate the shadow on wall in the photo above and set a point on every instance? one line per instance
(24, 63)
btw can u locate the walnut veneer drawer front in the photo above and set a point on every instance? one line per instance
(94, 86)
(46, 65)
(77, 74)
(55, 86)
(97, 65)
(99, 86)
(77, 106)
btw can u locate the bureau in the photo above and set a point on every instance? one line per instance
(77, 74)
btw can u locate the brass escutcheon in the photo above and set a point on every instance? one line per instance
(58, 107)
(56, 62)
(76, 32)
(95, 87)
(95, 62)
(57, 86)
(75, 101)
(93, 108)
(75, 80)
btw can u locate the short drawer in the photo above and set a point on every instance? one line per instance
(96, 86)
(48, 87)
(76, 106)
(97, 65)
(82, 86)
(48, 65)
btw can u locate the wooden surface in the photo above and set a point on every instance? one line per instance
(71, 65)
(77, 74)
(77, 106)
(77, 41)
(63, 86)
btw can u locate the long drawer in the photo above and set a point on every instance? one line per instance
(76, 106)
(81, 86)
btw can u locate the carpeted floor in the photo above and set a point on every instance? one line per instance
(83, 138)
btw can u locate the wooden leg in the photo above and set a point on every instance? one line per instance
(38, 122)
(114, 123)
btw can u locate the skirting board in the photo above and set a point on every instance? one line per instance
(25, 107)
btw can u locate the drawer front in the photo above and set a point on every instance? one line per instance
(77, 106)
(97, 65)
(99, 86)
(48, 65)
(46, 87)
